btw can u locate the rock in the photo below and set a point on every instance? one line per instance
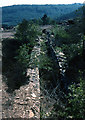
(33, 95)
(31, 114)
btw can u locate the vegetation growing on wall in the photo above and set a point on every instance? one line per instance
(59, 43)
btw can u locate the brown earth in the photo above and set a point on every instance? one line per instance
(24, 102)
(8, 34)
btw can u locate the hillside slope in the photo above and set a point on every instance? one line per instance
(16, 13)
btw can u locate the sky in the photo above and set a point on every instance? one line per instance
(15, 2)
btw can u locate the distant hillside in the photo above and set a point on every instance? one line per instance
(72, 15)
(12, 15)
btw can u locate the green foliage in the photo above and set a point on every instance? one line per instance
(12, 15)
(62, 33)
(9, 48)
(69, 39)
(14, 69)
(45, 61)
(68, 35)
(61, 36)
(23, 55)
(72, 50)
(27, 33)
(45, 20)
(21, 32)
(83, 8)
(76, 101)
(16, 76)
(16, 54)
(74, 106)
(58, 50)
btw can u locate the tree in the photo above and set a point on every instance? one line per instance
(45, 19)
(21, 33)
(26, 33)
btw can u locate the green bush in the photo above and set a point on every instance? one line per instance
(72, 50)
(76, 101)
(16, 54)
(23, 56)
(16, 76)
(27, 33)
(74, 107)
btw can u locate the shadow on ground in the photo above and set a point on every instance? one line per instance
(14, 73)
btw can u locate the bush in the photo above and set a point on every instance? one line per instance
(72, 50)
(27, 33)
(14, 63)
(23, 56)
(16, 76)
(76, 101)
